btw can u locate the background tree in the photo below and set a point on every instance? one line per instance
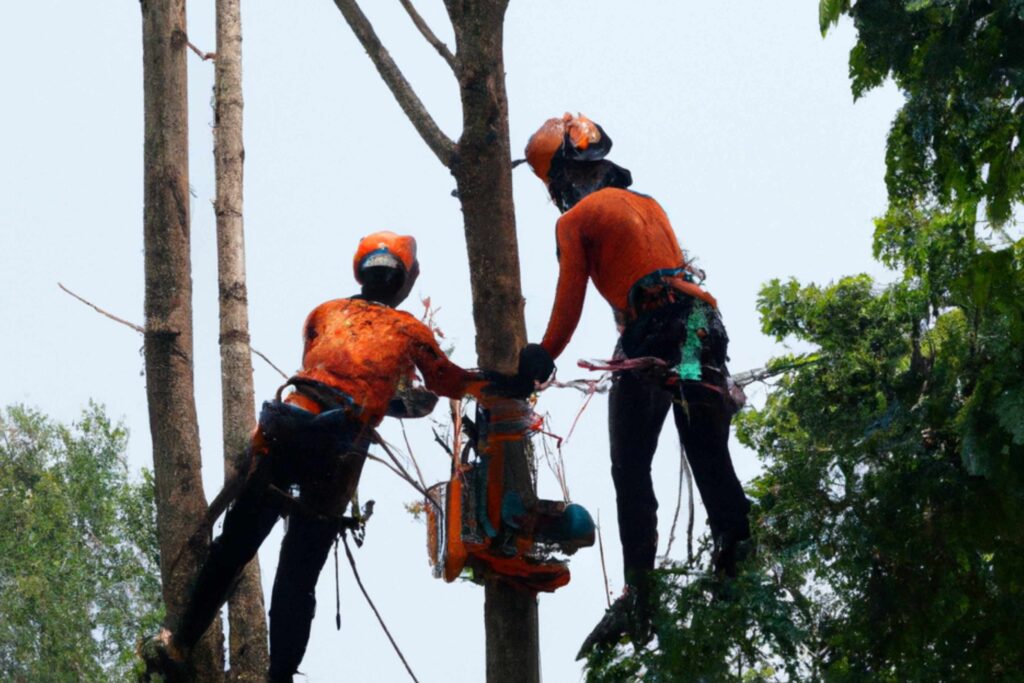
(170, 394)
(78, 550)
(247, 646)
(889, 512)
(481, 163)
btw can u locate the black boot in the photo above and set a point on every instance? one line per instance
(731, 548)
(629, 616)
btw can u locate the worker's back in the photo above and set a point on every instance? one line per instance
(624, 236)
(362, 348)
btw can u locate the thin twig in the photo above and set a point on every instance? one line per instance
(398, 468)
(578, 416)
(440, 144)
(137, 328)
(401, 475)
(557, 467)
(439, 440)
(412, 456)
(268, 361)
(359, 581)
(604, 569)
(141, 330)
(425, 31)
(205, 56)
(761, 374)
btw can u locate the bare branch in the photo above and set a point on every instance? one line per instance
(412, 456)
(279, 370)
(440, 144)
(137, 328)
(764, 373)
(205, 56)
(142, 330)
(425, 31)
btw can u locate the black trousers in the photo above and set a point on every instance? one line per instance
(637, 407)
(324, 458)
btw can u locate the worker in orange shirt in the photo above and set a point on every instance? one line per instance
(357, 351)
(624, 243)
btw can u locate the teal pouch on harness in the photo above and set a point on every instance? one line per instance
(692, 349)
(684, 331)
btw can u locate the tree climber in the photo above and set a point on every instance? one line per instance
(623, 241)
(356, 353)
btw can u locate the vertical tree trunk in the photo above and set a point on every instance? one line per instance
(482, 165)
(483, 173)
(168, 311)
(247, 645)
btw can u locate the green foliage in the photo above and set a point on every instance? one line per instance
(960, 66)
(894, 478)
(888, 517)
(711, 630)
(889, 512)
(78, 554)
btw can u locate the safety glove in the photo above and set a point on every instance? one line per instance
(535, 365)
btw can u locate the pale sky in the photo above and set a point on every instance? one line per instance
(737, 117)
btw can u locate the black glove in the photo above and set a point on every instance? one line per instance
(535, 365)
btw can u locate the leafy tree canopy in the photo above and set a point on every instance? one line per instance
(960, 64)
(889, 514)
(78, 559)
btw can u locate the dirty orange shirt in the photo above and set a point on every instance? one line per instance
(613, 237)
(365, 349)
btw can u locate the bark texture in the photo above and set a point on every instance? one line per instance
(481, 163)
(247, 646)
(483, 173)
(168, 310)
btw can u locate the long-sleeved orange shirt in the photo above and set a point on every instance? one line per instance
(365, 349)
(613, 237)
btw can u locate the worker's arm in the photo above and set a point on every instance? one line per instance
(573, 271)
(440, 375)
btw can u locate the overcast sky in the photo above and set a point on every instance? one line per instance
(736, 116)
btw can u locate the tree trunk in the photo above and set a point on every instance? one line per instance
(482, 166)
(168, 310)
(483, 173)
(247, 645)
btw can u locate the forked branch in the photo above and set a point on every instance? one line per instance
(425, 31)
(440, 144)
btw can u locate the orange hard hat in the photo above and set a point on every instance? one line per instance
(575, 136)
(384, 248)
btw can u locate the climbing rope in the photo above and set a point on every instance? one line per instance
(359, 582)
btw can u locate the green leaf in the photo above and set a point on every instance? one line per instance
(1009, 408)
(829, 12)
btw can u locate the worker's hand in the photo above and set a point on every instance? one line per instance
(535, 365)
